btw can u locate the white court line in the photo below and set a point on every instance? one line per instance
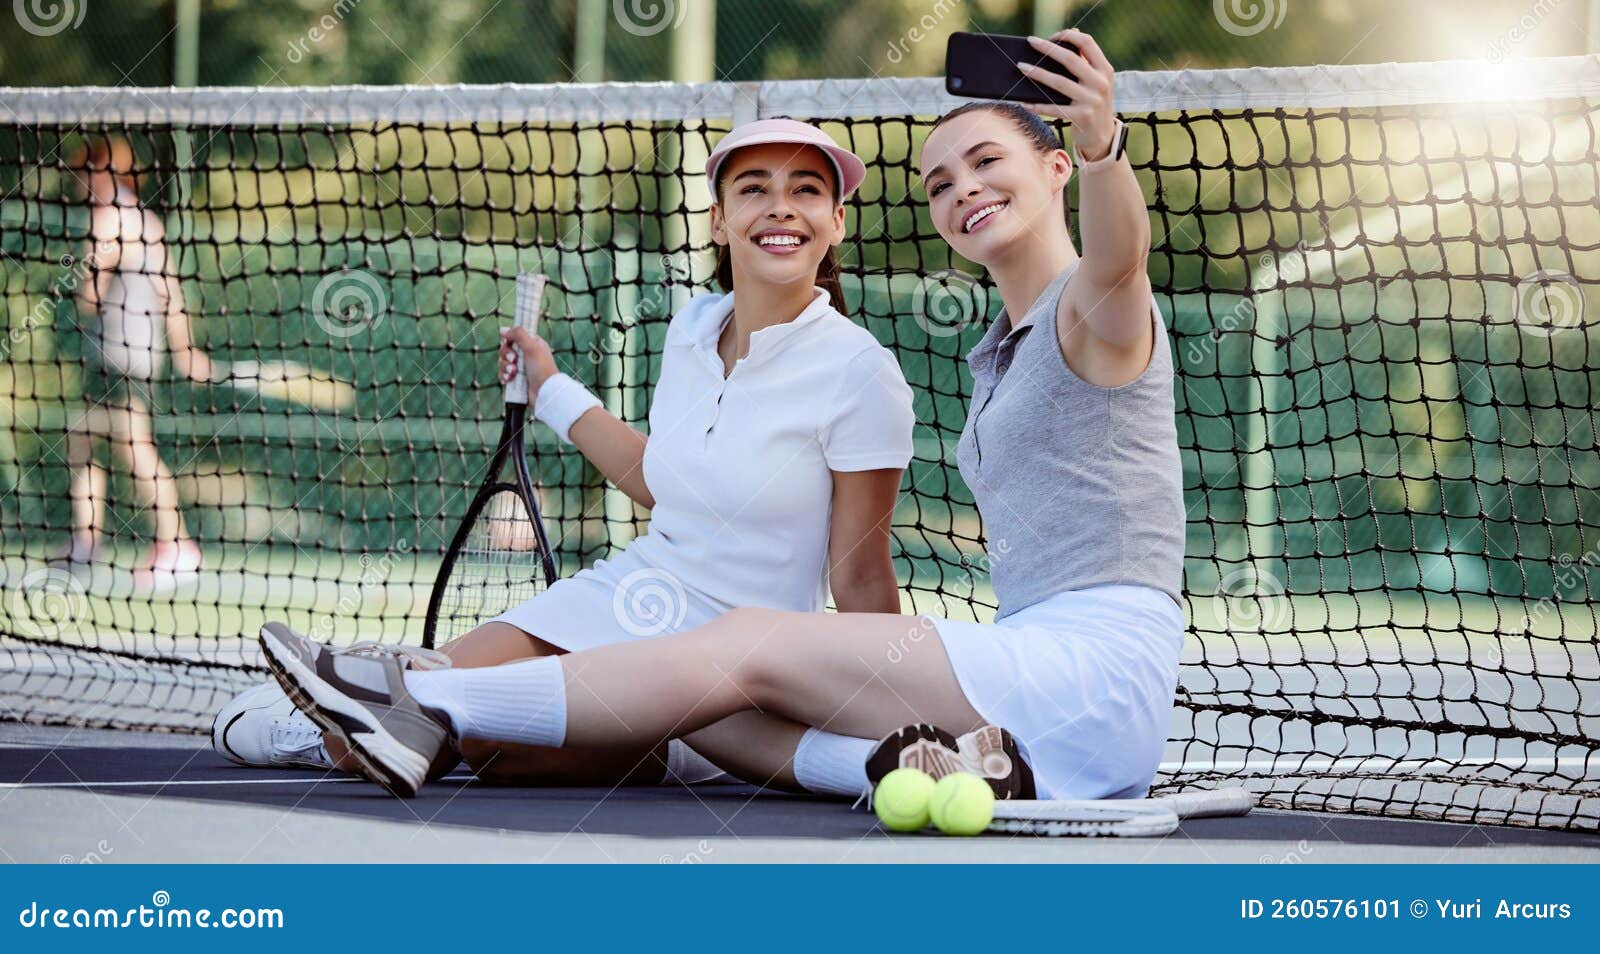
(6, 786)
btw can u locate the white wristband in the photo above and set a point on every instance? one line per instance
(559, 403)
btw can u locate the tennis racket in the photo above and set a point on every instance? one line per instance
(1125, 818)
(499, 556)
(285, 381)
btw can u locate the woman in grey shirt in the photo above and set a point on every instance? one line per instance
(1070, 449)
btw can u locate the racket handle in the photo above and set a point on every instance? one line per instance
(530, 291)
(1212, 803)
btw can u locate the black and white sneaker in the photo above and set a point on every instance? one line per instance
(989, 752)
(363, 702)
(261, 727)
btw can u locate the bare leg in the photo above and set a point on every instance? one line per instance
(133, 439)
(755, 747)
(88, 485)
(860, 674)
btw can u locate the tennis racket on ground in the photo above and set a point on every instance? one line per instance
(1125, 818)
(285, 381)
(499, 556)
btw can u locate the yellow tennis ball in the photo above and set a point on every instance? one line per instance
(961, 804)
(901, 799)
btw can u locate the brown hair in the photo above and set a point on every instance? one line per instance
(1038, 132)
(103, 153)
(827, 269)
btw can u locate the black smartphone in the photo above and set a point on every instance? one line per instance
(984, 66)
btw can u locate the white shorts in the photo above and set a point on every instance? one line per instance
(614, 601)
(1084, 680)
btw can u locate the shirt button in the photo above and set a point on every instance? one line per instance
(1002, 366)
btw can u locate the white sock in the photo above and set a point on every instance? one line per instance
(524, 701)
(830, 764)
(685, 766)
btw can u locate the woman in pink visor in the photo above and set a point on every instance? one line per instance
(779, 430)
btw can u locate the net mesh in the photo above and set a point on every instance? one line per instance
(1379, 281)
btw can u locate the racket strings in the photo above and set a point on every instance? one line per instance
(500, 565)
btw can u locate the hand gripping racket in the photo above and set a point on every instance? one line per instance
(500, 556)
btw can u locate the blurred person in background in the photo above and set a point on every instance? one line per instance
(131, 309)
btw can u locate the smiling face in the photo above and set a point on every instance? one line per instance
(776, 213)
(991, 190)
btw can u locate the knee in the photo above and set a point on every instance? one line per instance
(757, 667)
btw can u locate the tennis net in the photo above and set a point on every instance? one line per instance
(1376, 280)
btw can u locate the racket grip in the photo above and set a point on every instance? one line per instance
(1212, 803)
(530, 291)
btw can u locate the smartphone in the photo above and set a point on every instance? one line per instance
(984, 66)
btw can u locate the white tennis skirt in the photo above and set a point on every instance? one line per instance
(614, 601)
(1084, 680)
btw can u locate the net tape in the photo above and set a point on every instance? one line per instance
(1378, 295)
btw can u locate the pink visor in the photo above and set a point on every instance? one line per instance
(846, 164)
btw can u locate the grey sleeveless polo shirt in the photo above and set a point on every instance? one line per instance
(1078, 485)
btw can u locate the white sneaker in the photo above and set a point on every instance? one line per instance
(261, 728)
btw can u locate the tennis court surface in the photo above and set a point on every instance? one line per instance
(143, 797)
(1376, 280)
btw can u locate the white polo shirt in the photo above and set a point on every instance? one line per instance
(740, 466)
